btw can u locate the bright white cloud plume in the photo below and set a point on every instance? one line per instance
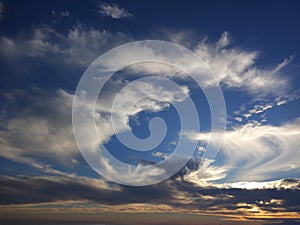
(253, 153)
(130, 101)
(114, 11)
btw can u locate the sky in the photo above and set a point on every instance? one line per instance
(149, 112)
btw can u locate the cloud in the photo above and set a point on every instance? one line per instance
(284, 222)
(65, 13)
(114, 11)
(261, 105)
(173, 195)
(224, 40)
(38, 124)
(73, 194)
(252, 153)
(59, 15)
(78, 47)
(232, 66)
(120, 101)
(161, 155)
(236, 68)
(126, 100)
(73, 187)
(38, 44)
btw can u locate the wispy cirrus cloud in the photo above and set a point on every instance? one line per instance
(79, 47)
(234, 67)
(114, 11)
(253, 153)
(231, 65)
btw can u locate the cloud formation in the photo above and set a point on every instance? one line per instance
(38, 125)
(235, 67)
(114, 11)
(172, 196)
(78, 48)
(232, 66)
(252, 153)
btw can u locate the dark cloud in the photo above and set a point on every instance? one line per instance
(43, 189)
(285, 222)
(26, 189)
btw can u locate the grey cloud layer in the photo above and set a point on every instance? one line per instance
(174, 195)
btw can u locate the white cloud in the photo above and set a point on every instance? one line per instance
(79, 47)
(289, 97)
(132, 100)
(161, 155)
(38, 44)
(253, 153)
(278, 184)
(236, 68)
(261, 106)
(232, 66)
(282, 102)
(114, 11)
(224, 40)
(239, 119)
(206, 174)
(41, 128)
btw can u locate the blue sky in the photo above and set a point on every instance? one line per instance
(251, 50)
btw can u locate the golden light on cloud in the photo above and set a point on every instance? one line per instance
(90, 211)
